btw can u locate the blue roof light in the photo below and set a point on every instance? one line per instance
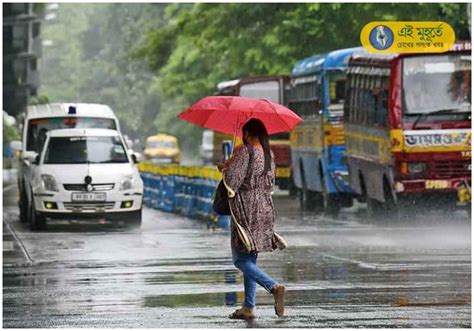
(72, 110)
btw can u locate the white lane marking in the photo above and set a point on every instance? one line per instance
(360, 264)
(8, 246)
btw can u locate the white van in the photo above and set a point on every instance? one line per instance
(43, 118)
(85, 173)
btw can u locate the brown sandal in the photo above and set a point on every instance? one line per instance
(239, 314)
(279, 296)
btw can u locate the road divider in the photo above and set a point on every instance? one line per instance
(185, 190)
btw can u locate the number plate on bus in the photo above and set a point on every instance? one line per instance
(96, 196)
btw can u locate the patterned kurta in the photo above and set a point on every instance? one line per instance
(251, 204)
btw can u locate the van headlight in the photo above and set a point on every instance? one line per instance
(127, 183)
(49, 183)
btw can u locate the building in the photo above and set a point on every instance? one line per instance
(21, 53)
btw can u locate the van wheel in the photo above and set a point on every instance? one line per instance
(23, 206)
(37, 220)
(135, 219)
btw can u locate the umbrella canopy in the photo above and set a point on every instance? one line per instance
(228, 114)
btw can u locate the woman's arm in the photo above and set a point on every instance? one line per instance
(236, 171)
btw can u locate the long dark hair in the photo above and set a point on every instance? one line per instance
(255, 128)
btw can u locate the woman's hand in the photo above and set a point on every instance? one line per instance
(223, 165)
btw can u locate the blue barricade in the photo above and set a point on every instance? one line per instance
(185, 190)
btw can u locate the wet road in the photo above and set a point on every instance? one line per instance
(174, 272)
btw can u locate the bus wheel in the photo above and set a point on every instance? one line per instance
(330, 202)
(392, 210)
(309, 200)
(375, 209)
(292, 189)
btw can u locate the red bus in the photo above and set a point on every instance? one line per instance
(273, 88)
(408, 127)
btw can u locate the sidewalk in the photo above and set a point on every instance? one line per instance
(13, 254)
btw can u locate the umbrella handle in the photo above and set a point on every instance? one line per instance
(235, 135)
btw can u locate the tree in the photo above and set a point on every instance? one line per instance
(202, 44)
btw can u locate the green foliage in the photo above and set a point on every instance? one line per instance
(204, 43)
(10, 132)
(91, 60)
(39, 100)
(150, 61)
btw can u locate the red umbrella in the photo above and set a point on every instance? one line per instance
(228, 114)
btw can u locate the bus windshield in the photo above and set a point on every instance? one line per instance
(262, 90)
(37, 128)
(77, 150)
(161, 144)
(437, 83)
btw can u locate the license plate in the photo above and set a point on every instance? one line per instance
(436, 184)
(98, 196)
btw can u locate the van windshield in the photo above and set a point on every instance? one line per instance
(79, 150)
(38, 127)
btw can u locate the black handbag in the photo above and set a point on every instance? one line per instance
(221, 200)
(221, 197)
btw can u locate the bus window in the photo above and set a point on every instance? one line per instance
(337, 85)
(382, 104)
(306, 96)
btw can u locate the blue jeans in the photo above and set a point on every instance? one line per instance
(253, 275)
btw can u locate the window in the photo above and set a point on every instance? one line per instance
(37, 128)
(262, 90)
(80, 150)
(305, 95)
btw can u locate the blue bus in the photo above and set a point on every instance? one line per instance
(319, 162)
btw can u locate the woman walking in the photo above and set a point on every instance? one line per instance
(249, 177)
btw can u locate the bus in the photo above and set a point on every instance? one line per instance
(408, 128)
(274, 89)
(317, 91)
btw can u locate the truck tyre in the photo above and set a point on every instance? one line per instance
(37, 220)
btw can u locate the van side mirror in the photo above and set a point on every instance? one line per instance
(29, 156)
(36, 161)
(134, 158)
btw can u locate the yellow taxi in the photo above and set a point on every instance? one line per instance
(162, 148)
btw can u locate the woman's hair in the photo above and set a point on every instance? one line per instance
(255, 128)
